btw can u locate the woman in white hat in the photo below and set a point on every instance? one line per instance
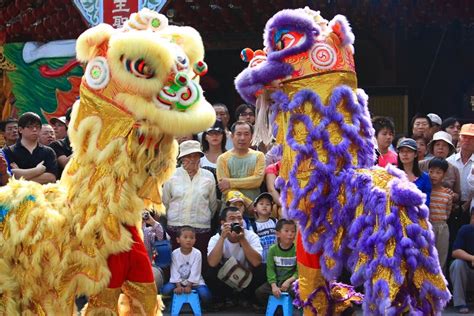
(441, 146)
(190, 197)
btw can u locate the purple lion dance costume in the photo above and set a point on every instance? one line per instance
(370, 220)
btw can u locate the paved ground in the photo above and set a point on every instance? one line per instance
(450, 311)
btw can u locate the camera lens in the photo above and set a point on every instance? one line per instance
(235, 227)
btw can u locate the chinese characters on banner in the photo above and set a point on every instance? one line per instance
(116, 12)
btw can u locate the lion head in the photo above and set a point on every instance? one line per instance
(150, 69)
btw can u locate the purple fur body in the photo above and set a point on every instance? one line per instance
(393, 217)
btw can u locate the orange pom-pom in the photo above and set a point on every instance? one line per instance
(246, 54)
(260, 52)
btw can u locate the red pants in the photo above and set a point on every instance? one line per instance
(133, 265)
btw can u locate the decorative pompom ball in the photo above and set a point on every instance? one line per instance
(246, 54)
(259, 52)
(200, 68)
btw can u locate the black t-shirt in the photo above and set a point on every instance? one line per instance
(25, 160)
(62, 147)
(465, 240)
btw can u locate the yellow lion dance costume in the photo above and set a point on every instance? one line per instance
(79, 236)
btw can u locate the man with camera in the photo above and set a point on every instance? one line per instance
(232, 254)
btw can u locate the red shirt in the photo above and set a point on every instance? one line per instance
(389, 157)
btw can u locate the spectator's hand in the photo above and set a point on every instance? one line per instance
(285, 286)
(14, 166)
(178, 289)
(41, 166)
(150, 221)
(3, 165)
(187, 289)
(276, 291)
(225, 230)
(240, 236)
(224, 184)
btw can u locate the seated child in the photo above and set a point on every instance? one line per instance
(186, 268)
(281, 263)
(441, 202)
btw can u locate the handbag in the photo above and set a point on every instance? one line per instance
(162, 253)
(234, 274)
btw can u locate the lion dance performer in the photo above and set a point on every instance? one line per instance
(80, 236)
(370, 220)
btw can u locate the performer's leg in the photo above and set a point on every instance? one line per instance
(104, 303)
(310, 279)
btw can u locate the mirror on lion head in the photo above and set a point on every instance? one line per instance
(151, 69)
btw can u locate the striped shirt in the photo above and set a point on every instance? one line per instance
(440, 205)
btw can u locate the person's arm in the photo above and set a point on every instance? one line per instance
(28, 174)
(4, 176)
(253, 181)
(213, 204)
(457, 185)
(252, 255)
(427, 190)
(214, 256)
(166, 194)
(44, 178)
(195, 275)
(221, 168)
(63, 160)
(270, 182)
(271, 271)
(463, 255)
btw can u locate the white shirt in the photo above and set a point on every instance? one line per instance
(266, 231)
(190, 202)
(234, 249)
(206, 163)
(186, 268)
(464, 171)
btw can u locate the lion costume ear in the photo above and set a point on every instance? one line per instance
(340, 26)
(93, 42)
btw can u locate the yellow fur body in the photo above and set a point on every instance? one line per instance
(56, 238)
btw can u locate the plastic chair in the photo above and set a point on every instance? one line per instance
(180, 299)
(284, 301)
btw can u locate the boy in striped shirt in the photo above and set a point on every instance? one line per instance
(440, 207)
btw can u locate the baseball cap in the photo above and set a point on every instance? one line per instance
(408, 143)
(265, 195)
(61, 119)
(467, 129)
(218, 126)
(234, 196)
(435, 119)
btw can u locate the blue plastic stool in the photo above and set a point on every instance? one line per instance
(284, 301)
(192, 299)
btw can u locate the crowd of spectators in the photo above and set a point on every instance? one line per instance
(223, 213)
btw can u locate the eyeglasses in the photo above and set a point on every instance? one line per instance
(247, 114)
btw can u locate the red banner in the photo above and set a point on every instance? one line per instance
(116, 12)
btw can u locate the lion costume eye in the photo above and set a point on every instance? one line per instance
(288, 40)
(138, 67)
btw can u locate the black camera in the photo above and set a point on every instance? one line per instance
(235, 227)
(146, 215)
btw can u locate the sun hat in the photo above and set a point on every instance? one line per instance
(189, 147)
(435, 118)
(441, 135)
(467, 129)
(408, 143)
